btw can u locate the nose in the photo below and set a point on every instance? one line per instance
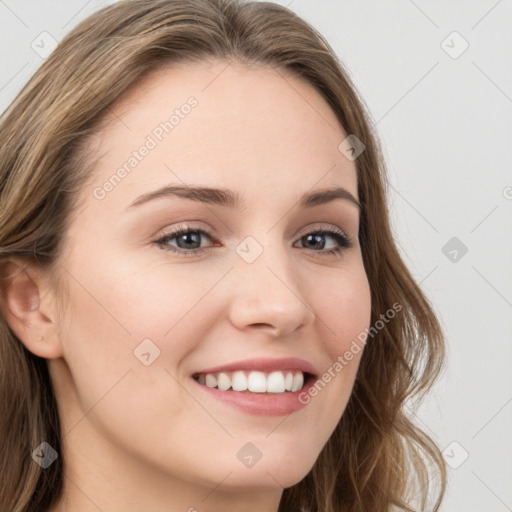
(268, 296)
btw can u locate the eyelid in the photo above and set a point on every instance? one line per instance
(321, 226)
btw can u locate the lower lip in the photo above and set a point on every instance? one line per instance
(260, 404)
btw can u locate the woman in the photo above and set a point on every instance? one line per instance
(264, 367)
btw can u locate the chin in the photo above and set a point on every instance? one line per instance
(268, 477)
(277, 468)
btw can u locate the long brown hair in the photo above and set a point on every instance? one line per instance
(376, 458)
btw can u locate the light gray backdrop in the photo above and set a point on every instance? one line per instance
(437, 78)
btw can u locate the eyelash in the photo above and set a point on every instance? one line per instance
(344, 241)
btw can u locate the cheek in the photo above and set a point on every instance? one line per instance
(344, 310)
(135, 298)
(111, 323)
(121, 309)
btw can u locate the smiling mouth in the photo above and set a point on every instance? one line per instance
(245, 381)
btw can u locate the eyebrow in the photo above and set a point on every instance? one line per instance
(228, 198)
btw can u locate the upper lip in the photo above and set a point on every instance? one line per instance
(264, 365)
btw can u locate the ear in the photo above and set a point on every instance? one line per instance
(28, 307)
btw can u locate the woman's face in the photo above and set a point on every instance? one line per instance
(144, 317)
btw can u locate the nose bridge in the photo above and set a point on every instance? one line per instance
(268, 291)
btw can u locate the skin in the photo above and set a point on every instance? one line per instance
(142, 437)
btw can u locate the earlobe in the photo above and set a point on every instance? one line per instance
(22, 288)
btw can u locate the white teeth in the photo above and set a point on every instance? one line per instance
(275, 382)
(254, 381)
(288, 382)
(223, 382)
(211, 380)
(257, 383)
(298, 381)
(239, 381)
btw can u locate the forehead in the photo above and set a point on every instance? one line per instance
(220, 122)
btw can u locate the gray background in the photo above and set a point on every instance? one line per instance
(445, 122)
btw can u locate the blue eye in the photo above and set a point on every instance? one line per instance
(189, 239)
